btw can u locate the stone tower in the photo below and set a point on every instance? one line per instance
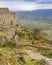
(7, 22)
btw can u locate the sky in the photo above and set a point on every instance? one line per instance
(26, 5)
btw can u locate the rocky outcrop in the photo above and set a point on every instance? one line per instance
(16, 40)
(10, 33)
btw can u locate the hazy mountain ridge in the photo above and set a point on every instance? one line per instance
(41, 12)
(41, 19)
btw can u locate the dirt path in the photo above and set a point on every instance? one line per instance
(39, 47)
(37, 56)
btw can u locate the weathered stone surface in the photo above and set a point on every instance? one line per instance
(7, 22)
(7, 19)
(10, 33)
(16, 39)
(2, 38)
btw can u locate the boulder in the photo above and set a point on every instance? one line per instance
(2, 39)
(16, 39)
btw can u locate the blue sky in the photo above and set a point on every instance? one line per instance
(26, 5)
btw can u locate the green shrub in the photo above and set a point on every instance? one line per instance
(9, 43)
(2, 32)
(47, 53)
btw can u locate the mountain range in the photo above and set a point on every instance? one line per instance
(40, 12)
(41, 19)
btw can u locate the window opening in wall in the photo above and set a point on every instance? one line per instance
(3, 22)
(11, 22)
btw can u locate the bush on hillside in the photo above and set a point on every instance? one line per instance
(9, 43)
(47, 53)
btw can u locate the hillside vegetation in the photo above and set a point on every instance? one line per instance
(28, 36)
(10, 54)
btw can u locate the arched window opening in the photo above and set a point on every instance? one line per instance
(3, 22)
(11, 22)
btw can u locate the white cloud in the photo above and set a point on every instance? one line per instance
(24, 6)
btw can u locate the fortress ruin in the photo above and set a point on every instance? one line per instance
(7, 22)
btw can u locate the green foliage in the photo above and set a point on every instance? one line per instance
(25, 33)
(47, 53)
(8, 56)
(1, 32)
(9, 43)
(29, 61)
(28, 34)
(41, 38)
(3, 63)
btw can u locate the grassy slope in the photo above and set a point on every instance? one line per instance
(8, 56)
(8, 52)
(27, 36)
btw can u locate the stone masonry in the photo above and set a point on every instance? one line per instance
(7, 22)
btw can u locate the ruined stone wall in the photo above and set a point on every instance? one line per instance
(7, 22)
(7, 19)
(4, 10)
